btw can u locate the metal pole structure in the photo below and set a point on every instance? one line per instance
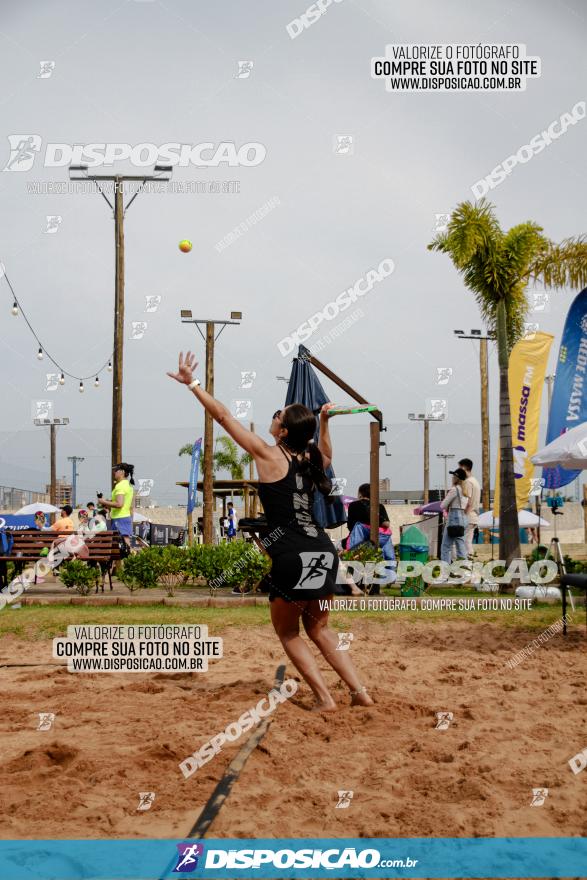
(549, 383)
(74, 460)
(477, 336)
(426, 460)
(52, 442)
(253, 501)
(74, 483)
(209, 438)
(422, 417)
(374, 502)
(117, 360)
(485, 452)
(80, 172)
(374, 481)
(208, 481)
(52, 424)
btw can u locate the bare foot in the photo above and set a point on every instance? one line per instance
(325, 706)
(361, 698)
(355, 591)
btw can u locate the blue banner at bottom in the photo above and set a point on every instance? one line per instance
(519, 857)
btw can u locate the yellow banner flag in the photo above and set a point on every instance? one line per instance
(526, 373)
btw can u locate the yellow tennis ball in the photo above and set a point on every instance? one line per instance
(185, 246)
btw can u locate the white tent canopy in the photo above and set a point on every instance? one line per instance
(140, 517)
(526, 519)
(569, 450)
(39, 506)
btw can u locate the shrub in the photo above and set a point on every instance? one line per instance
(538, 553)
(75, 573)
(250, 568)
(193, 567)
(137, 572)
(574, 566)
(229, 564)
(169, 565)
(366, 552)
(218, 561)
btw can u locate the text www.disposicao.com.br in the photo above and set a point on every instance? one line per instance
(135, 664)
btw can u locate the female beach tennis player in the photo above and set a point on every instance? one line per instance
(304, 559)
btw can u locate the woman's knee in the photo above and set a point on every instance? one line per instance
(288, 635)
(315, 629)
(286, 629)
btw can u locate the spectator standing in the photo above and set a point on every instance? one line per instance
(231, 516)
(454, 528)
(121, 503)
(472, 492)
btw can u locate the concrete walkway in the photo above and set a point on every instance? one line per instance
(53, 592)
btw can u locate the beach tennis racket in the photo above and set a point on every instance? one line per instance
(348, 410)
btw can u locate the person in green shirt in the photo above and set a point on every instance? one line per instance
(122, 502)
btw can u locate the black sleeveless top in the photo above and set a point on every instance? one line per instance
(305, 562)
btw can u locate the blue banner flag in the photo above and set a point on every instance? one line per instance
(17, 521)
(569, 395)
(193, 487)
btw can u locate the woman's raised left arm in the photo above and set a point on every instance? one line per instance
(324, 441)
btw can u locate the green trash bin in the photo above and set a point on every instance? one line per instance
(413, 547)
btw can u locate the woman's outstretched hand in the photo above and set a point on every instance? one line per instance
(324, 410)
(185, 368)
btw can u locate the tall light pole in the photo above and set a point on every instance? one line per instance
(74, 460)
(422, 417)
(52, 424)
(478, 336)
(209, 338)
(80, 172)
(549, 383)
(445, 456)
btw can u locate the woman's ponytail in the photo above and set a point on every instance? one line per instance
(314, 468)
(128, 470)
(301, 427)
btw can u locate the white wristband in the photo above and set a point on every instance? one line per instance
(194, 384)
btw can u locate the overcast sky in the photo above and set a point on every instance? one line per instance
(161, 72)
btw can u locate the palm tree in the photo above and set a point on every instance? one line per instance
(497, 267)
(188, 449)
(226, 458)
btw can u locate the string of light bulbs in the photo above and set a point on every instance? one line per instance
(16, 308)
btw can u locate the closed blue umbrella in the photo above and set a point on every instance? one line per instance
(305, 388)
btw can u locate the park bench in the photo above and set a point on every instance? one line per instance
(103, 550)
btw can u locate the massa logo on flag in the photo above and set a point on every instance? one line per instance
(527, 369)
